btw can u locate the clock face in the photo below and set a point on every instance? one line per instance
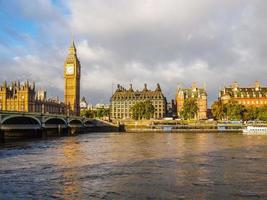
(70, 69)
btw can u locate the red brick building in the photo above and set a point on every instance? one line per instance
(255, 96)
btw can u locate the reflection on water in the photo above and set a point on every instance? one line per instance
(72, 156)
(136, 166)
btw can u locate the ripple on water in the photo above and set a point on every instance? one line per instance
(135, 166)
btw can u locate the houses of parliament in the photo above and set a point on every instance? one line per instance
(24, 97)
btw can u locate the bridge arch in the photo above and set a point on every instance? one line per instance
(75, 121)
(20, 120)
(55, 120)
(88, 122)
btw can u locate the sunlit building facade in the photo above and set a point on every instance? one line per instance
(22, 97)
(195, 92)
(253, 96)
(123, 99)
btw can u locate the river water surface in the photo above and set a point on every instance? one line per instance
(135, 166)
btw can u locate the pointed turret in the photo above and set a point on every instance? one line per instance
(131, 88)
(72, 49)
(257, 85)
(145, 87)
(158, 87)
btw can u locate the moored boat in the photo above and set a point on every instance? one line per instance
(255, 130)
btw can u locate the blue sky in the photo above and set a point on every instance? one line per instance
(143, 41)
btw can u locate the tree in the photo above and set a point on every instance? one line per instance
(234, 110)
(218, 110)
(102, 112)
(149, 110)
(137, 110)
(251, 113)
(262, 113)
(142, 110)
(190, 109)
(88, 113)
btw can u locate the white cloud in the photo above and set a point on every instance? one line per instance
(144, 41)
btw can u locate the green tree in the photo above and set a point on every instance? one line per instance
(137, 110)
(142, 110)
(88, 113)
(218, 110)
(262, 113)
(149, 110)
(190, 108)
(102, 112)
(234, 110)
(251, 113)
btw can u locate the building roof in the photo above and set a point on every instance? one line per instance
(244, 92)
(123, 93)
(194, 91)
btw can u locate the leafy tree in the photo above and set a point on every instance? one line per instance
(218, 110)
(142, 110)
(262, 114)
(88, 113)
(251, 113)
(102, 112)
(190, 108)
(149, 110)
(136, 110)
(234, 110)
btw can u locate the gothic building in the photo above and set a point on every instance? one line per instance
(22, 97)
(72, 74)
(199, 94)
(255, 96)
(123, 99)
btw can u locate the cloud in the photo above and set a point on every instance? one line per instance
(141, 41)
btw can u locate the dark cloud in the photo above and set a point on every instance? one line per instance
(162, 41)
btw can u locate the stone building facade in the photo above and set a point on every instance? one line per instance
(123, 99)
(253, 96)
(22, 97)
(72, 77)
(199, 94)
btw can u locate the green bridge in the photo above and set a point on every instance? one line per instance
(37, 124)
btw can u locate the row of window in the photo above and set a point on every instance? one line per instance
(122, 116)
(133, 102)
(136, 98)
(259, 102)
(129, 106)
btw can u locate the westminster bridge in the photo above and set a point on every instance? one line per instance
(25, 124)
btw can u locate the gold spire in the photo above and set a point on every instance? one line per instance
(72, 49)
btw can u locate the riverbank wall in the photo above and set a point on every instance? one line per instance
(144, 130)
(20, 134)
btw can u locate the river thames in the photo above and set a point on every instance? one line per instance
(135, 166)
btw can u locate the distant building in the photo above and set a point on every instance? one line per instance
(123, 99)
(24, 98)
(255, 96)
(101, 105)
(41, 95)
(199, 94)
(83, 104)
(171, 109)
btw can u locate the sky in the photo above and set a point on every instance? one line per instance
(171, 42)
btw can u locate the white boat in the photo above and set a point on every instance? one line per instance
(255, 130)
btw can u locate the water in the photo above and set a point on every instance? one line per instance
(136, 166)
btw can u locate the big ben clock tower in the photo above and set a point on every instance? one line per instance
(72, 71)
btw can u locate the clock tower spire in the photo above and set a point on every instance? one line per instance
(72, 76)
